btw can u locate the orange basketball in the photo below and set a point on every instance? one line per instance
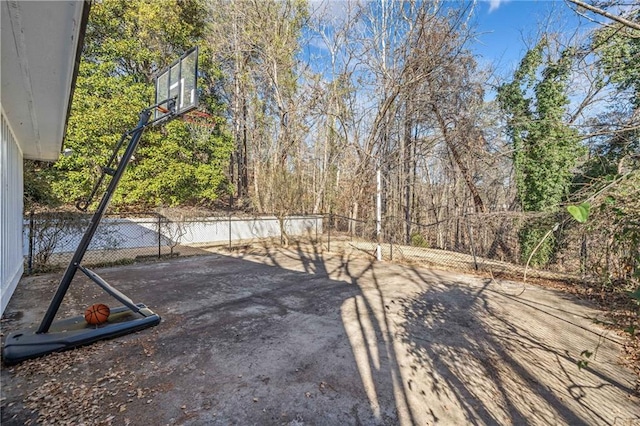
(97, 313)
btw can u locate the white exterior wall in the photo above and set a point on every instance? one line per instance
(11, 187)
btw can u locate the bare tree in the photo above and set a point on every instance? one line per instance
(255, 43)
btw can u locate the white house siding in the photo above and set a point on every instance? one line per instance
(11, 187)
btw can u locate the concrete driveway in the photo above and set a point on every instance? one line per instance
(295, 337)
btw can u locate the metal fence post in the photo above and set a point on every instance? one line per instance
(584, 257)
(378, 214)
(281, 225)
(329, 233)
(473, 250)
(30, 260)
(159, 237)
(229, 230)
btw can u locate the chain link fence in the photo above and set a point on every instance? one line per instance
(489, 242)
(51, 238)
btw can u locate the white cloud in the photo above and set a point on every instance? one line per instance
(495, 4)
(332, 9)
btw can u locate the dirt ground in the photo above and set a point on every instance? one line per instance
(299, 337)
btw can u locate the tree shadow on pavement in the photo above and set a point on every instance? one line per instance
(293, 331)
(368, 329)
(503, 359)
(455, 352)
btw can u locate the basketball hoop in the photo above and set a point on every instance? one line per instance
(200, 118)
(176, 94)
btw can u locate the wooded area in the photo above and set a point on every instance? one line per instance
(304, 105)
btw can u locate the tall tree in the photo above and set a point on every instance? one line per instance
(422, 90)
(545, 148)
(256, 44)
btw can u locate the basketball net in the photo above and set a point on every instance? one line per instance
(200, 124)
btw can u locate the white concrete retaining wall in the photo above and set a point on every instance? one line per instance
(114, 234)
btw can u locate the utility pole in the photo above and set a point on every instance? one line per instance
(378, 213)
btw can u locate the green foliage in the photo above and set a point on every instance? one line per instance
(618, 218)
(619, 49)
(37, 186)
(610, 179)
(614, 227)
(126, 43)
(139, 38)
(584, 361)
(176, 168)
(532, 237)
(418, 240)
(580, 213)
(104, 107)
(546, 149)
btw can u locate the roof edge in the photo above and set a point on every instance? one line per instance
(86, 8)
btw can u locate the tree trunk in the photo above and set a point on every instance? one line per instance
(477, 199)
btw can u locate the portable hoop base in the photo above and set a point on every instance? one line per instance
(69, 333)
(74, 332)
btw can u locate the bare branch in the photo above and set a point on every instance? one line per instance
(606, 14)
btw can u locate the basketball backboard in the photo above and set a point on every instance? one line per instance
(176, 87)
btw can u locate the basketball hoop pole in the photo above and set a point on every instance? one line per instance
(71, 270)
(116, 175)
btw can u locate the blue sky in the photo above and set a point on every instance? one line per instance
(507, 27)
(504, 28)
